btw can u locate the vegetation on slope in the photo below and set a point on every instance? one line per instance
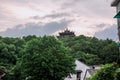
(90, 50)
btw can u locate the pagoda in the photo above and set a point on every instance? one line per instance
(66, 33)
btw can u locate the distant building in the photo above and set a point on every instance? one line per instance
(91, 71)
(116, 3)
(66, 33)
(83, 72)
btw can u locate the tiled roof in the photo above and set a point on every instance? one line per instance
(92, 71)
(115, 2)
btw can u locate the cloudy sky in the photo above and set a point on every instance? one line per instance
(48, 17)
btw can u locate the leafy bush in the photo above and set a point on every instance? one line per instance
(117, 74)
(107, 72)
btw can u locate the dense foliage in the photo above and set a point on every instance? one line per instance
(90, 50)
(107, 72)
(46, 58)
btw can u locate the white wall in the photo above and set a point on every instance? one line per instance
(79, 66)
(87, 76)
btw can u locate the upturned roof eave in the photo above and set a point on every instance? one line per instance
(115, 3)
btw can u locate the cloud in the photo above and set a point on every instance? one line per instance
(53, 16)
(101, 25)
(35, 29)
(110, 33)
(7, 19)
(97, 10)
(82, 16)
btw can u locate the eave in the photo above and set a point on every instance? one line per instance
(117, 15)
(115, 3)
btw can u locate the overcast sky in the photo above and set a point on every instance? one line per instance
(47, 17)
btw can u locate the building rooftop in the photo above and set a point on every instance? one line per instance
(115, 2)
(92, 71)
(66, 33)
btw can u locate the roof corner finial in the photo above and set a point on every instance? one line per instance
(66, 30)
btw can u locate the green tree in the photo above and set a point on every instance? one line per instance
(100, 51)
(109, 53)
(7, 53)
(107, 72)
(29, 37)
(89, 59)
(7, 59)
(117, 74)
(46, 58)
